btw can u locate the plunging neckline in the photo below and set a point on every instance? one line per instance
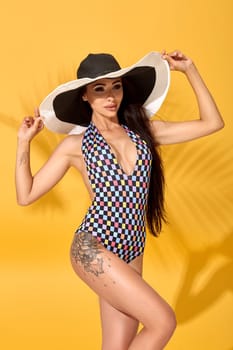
(118, 164)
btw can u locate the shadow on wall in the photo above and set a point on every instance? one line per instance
(199, 207)
(193, 300)
(46, 142)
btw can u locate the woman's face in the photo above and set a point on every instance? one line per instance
(104, 96)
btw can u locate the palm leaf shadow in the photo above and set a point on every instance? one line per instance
(200, 195)
(47, 141)
(190, 303)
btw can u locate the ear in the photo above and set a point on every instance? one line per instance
(84, 97)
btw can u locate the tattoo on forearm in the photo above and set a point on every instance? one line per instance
(24, 159)
(85, 250)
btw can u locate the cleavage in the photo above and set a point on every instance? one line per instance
(124, 151)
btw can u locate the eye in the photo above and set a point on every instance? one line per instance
(98, 88)
(117, 86)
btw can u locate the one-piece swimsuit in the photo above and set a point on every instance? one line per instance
(116, 216)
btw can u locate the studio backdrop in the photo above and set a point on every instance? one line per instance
(43, 303)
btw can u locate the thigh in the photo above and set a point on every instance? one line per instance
(118, 329)
(115, 281)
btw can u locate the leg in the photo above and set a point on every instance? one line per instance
(118, 329)
(125, 290)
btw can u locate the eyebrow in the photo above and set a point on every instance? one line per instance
(103, 84)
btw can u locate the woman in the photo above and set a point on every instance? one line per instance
(113, 144)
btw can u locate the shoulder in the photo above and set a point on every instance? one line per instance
(161, 131)
(157, 125)
(71, 145)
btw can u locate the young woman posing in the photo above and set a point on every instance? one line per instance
(113, 144)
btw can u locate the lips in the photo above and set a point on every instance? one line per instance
(111, 107)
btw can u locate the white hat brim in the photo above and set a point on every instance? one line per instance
(151, 105)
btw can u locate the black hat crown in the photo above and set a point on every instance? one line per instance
(95, 65)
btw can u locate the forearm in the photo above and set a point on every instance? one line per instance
(23, 175)
(208, 110)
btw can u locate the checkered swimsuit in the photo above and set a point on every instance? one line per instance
(117, 214)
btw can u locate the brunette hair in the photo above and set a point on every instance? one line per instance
(135, 118)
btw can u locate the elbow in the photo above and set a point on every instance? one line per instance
(217, 126)
(220, 125)
(23, 202)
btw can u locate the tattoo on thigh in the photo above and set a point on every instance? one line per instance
(85, 249)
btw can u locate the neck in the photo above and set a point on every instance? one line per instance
(105, 123)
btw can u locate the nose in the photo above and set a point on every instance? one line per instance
(110, 94)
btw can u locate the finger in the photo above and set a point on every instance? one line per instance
(28, 121)
(38, 124)
(178, 55)
(36, 112)
(28, 118)
(175, 54)
(169, 60)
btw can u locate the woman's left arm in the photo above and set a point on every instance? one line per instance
(210, 119)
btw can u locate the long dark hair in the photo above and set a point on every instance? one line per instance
(133, 116)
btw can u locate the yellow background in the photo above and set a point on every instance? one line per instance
(43, 305)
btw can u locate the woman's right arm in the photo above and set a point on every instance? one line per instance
(29, 188)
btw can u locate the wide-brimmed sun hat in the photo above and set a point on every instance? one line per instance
(145, 82)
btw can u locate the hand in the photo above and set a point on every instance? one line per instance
(30, 127)
(177, 61)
